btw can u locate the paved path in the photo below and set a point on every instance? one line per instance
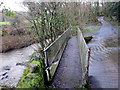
(68, 74)
(103, 70)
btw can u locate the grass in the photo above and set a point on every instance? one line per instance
(9, 23)
(5, 23)
(25, 21)
(90, 29)
(87, 30)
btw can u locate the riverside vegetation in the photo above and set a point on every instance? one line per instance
(34, 75)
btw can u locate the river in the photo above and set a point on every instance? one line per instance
(12, 64)
(103, 71)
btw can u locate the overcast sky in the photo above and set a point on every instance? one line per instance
(15, 5)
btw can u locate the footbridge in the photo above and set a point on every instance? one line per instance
(67, 60)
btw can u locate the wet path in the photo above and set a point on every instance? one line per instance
(68, 74)
(12, 64)
(103, 72)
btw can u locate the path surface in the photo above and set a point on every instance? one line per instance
(103, 72)
(68, 74)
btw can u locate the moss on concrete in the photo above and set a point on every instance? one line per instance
(53, 68)
(88, 38)
(34, 75)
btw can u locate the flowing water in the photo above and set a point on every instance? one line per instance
(103, 71)
(12, 64)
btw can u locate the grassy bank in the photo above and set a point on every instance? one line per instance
(5, 23)
(88, 30)
(34, 75)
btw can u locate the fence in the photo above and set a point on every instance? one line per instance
(54, 52)
(84, 55)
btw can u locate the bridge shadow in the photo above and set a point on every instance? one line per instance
(94, 83)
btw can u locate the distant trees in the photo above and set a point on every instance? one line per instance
(112, 9)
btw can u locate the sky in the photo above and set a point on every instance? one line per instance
(16, 5)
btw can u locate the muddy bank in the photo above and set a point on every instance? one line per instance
(11, 42)
(103, 71)
(12, 64)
